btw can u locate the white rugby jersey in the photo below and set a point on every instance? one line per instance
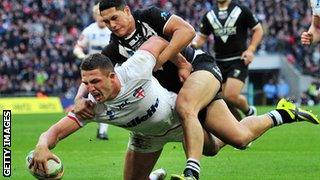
(94, 38)
(315, 4)
(142, 105)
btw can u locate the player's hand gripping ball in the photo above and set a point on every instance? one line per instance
(55, 170)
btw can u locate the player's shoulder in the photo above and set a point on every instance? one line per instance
(90, 28)
(241, 6)
(150, 12)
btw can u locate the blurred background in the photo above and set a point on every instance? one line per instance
(37, 39)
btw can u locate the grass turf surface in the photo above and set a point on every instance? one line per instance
(288, 152)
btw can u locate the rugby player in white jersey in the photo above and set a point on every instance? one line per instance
(92, 39)
(313, 34)
(129, 96)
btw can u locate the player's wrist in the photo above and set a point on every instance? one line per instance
(251, 48)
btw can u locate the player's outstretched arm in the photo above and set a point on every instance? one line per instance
(48, 140)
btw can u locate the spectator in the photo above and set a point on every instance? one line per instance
(283, 89)
(270, 92)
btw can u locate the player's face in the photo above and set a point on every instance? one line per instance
(98, 83)
(120, 22)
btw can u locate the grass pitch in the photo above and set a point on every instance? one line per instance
(287, 152)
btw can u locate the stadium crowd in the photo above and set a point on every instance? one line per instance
(37, 38)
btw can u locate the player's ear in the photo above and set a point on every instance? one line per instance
(127, 10)
(112, 75)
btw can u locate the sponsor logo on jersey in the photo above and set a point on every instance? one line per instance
(123, 104)
(164, 15)
(236, 73)
(139, 119)
(229, 28)
(139, 92)
(111, 114)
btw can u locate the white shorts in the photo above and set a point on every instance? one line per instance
(146, 144)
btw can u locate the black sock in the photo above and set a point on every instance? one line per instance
(280, 116)
(192, 168)
(285, 116)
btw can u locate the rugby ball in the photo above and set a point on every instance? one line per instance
(55, 170)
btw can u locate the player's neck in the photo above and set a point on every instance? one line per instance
(116, 88)
(223, 5)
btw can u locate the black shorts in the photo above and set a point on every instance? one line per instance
(233, 69)
(207, 63)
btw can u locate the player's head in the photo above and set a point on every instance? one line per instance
(117, 16)
(97, 17)
(97, 73)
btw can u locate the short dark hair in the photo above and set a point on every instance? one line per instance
(97, 61)
(106, 4)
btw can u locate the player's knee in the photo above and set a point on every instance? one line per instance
(182, 106)
(241, 141)
(232, 97)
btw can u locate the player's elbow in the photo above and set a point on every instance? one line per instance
(190, 32)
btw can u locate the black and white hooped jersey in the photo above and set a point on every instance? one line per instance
(142, 105)
(149, 22)
(230, 29)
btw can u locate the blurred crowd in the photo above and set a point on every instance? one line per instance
(37, 38)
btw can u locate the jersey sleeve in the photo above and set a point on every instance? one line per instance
(155, 17)
(315, 5)
(138, 66)
(250, 18)
(205, 28)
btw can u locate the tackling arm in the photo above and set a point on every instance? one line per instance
(181, 34)
(198, 41)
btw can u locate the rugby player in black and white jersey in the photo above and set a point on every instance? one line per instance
(313, 34)
(129, 96)
(229, 23)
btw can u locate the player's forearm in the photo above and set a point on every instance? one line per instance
(180, 39)
(78, 52)
(48, 139)
(82, 92)
(256, 38)
(180, 61)
(198, 41)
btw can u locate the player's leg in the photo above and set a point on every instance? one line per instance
(221, 123)
(102, 131)
(235, 74)
(232, 93)
(139, 165)
(198, 91)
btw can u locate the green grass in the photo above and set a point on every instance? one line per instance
(287, 152)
